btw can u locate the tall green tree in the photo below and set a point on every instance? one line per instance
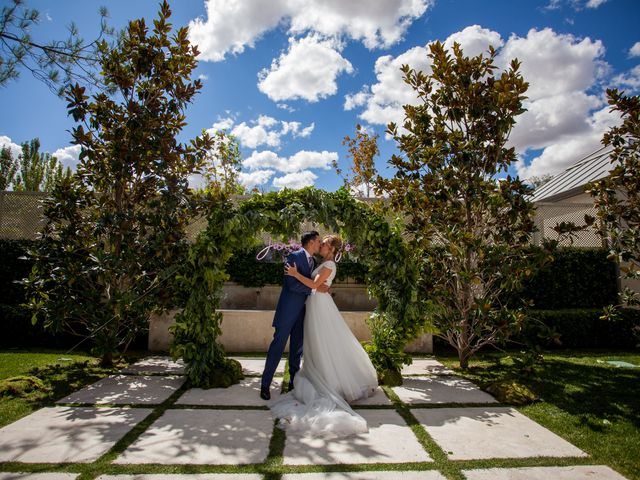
(115, 231)
(38, 171)
(471, 219)
(222, 170)
(363, 149)
(56, 63)
(8, 168)
(617, 197)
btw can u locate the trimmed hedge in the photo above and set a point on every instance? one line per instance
(583, 328)
(577, 278)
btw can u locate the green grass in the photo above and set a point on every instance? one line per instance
(59, 374)
(591, 404)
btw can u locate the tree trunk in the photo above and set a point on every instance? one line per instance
(107, 360)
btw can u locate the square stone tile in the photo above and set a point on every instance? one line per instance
(378, 475)
(181, 476)
(582, 472)
(67, 434)
(440, 389)
(127, 389)
(203, 437)
(378, 398)
(255, 366)
(389, 440)
(426, 366)
(245, 394)
(37, 476)
(491, 432)
(156, 365)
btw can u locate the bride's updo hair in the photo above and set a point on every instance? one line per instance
(334, 241)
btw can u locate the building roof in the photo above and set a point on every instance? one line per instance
(573, 180)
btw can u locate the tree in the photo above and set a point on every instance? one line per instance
(8, 168)
(224, 162)
(115, 232)
(617, 197)
(56, 63)
(38, 171)
(363, 149)
(472, 226)
(539, 180)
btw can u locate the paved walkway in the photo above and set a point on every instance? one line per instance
(145, 419)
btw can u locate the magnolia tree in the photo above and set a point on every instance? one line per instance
(472, 220)
(115, 231)
(617, 197)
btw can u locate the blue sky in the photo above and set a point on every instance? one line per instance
(291, 78)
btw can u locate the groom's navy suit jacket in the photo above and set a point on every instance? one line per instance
(294, 294)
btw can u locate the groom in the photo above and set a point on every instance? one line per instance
(289, 318)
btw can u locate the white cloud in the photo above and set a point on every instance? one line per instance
(474, 40)
(232, 25)
(295, 180)
(255, 178)
(265, 130)
(284, 106)
(629, 80)
(203, 77)
(68, 156)
(634, 51)
(595, 3)
(302, 160)
(563, 72)
(308, 70)
(6, 142)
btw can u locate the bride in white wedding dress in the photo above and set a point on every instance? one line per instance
(335, 368)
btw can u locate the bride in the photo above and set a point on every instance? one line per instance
(335, 370)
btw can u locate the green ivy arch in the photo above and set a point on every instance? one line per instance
(392, 275)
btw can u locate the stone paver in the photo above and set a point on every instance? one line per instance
(245, 394)
(440, 389)
(426, 366)
(127, 389)
(213, 437)
(37, 476)
(66, 434)
(491, 432)
(389, 440)
(255, 366)
(180, 476)
(157, 364)
(583, 472)
(378, 398)
(399, 475)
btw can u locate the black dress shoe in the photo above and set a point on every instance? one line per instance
(290, 387)
(265, 394)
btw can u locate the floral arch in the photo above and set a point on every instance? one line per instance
(392, 275)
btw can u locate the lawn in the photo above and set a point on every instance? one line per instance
(45, 376)
(590, 403)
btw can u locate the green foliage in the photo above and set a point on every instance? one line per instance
(115, 231)
(574, 278)
(56, 63)
(584, 328)
(511, 392)
(223, 164)
(38, 171)
(617, 197)
(8, 168)
(446, 185)
(20, 385)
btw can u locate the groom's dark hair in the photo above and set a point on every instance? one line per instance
(308, 236)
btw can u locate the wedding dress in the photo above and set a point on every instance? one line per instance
(335, 370)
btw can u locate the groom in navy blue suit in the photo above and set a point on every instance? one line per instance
(289, 318)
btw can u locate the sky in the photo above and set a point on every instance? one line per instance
(291, 78)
